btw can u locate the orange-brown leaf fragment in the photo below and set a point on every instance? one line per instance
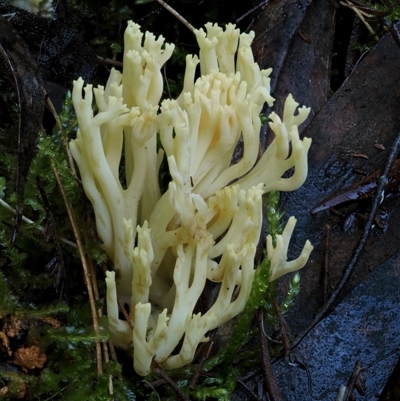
(12, 326)
(52, 322)
(3, 391)
(29, 358)
(6, 343)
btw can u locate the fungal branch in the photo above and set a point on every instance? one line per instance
(206, 225)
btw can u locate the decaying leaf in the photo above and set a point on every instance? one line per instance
(29, 358)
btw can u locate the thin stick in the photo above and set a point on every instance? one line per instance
(112, 350)
(97, 298)
(29, 221)
(205, 355)
(284, 328)
(352, 381)
(262, 4)
(177, 15)
(122, 309)
(177, 390)
(86, 267)
(394, 31)
(360, 14)
(325, 266)
(249, 393)
(65, 140)
(110, 61)
(269, 378)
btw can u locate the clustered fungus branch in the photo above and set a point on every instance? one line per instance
(207, 224)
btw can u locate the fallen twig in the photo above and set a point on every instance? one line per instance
(205, 355)
(347, 393)
(246, 390)
(258, 6)
(269, 377)
(85, 265)
(325, 265)
(177, 15)
(177, 390)
(29, 221)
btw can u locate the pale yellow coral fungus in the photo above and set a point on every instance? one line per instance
(207, 224)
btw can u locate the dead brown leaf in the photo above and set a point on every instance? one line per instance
(362, 112)
(12, 326)
(29, 358)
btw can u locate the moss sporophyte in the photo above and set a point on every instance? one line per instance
(206, 225)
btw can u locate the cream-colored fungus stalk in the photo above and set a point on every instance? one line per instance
(207, 224)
